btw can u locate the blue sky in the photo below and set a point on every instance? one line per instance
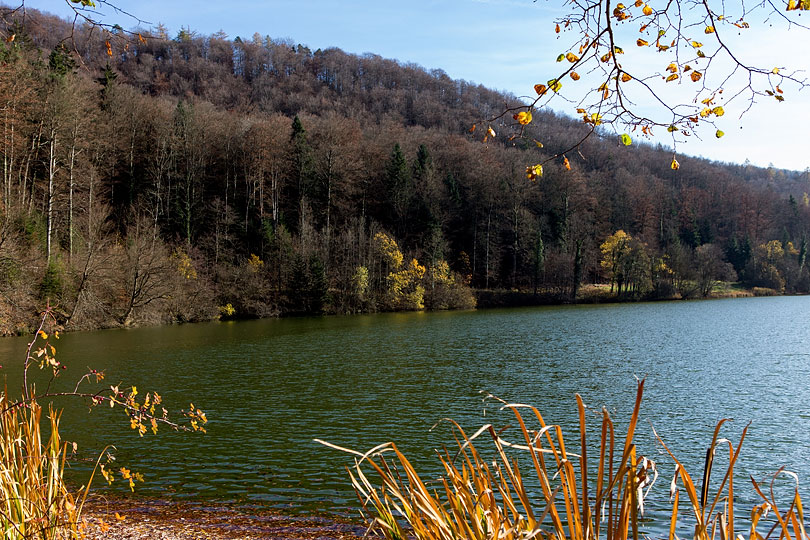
(504, 44)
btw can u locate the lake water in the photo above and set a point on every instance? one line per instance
(269, 387)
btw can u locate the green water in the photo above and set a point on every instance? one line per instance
(269, 387)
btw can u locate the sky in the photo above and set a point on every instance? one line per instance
(506, 45)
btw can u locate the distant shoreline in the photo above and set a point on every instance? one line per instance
(499, 299)
(601, 294)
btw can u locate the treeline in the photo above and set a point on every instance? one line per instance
(196, 177)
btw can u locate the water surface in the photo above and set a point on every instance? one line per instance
(269, 387)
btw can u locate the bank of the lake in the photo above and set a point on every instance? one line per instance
(149, 519)
(603, 294)
(22, 322)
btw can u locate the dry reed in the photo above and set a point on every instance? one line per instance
(478, 499)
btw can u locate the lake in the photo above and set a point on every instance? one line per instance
(270, 386)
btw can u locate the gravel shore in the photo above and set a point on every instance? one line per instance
(162, 520)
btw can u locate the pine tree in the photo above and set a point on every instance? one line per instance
(301, 161)
(398, 183)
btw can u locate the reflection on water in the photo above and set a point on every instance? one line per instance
(269, 387)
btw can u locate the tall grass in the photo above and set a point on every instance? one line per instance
(35, 504)
(578, 498)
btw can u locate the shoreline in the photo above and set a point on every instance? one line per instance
(137, 519)
(487, 299)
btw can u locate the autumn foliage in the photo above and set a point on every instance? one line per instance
(193, 177)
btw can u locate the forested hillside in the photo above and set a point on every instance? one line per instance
(189, 177)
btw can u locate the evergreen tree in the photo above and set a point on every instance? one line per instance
(423, 219)
(318, 292)
(577, 270)
(398, 183)
(60, 62)
(299, 286)
(538, 258)
(301, 161)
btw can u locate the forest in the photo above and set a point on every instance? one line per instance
(189, 177)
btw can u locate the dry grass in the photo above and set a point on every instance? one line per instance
(35, 504)
(481, 499)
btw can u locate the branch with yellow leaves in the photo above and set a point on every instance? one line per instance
(140, 413)
(688, 38)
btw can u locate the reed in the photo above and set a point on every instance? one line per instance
(35, 503)
(579, 498)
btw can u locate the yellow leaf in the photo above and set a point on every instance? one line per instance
(42, 334)
(696, 75)
(701, 54)
(641, 42)
(538, 143)
(675, 165)
(533, 172)
(775, 71)
(571, 57)
(555, 85)
(119, 517)
(719, 134)
(523, 117)
(581, 111)
(697, 44)
(718, 111)
(491, 131)
(606, 57)
(647, 10)
(672, 128)
(672, 77)
(638, 3)
(566, 164)
(708, 30)
(626, 139)
(672, 68)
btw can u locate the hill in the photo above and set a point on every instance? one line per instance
(193, 177)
